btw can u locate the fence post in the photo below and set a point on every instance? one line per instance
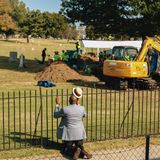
(147, 146)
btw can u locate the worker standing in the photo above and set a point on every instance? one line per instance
(75, 56)
(78, 47)
(43, 55)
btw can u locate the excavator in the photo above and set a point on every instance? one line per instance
(122, 73)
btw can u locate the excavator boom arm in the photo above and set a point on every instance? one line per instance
(148, 43)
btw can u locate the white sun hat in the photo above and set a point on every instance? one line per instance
(77, 92)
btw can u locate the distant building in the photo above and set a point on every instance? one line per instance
(81, 32)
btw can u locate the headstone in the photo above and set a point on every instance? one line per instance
(21, 61)
(12, 56)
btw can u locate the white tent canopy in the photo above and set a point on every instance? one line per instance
(109, 44)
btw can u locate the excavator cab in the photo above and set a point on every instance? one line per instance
(124, 53)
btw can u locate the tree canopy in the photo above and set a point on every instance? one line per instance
(118, 17)
(147, 13)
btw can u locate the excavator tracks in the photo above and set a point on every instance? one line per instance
(116, 83)
(146, 84)
(123, 84)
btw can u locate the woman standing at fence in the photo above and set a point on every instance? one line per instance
(73, 129)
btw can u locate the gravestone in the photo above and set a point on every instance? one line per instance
(13, 56)
(21, 61)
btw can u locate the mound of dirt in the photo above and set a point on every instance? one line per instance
(61, 72)
(88, 58)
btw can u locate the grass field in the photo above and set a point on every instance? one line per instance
(14, 78)
(108, 117)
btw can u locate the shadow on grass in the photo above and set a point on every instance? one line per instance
(94, 85)
(25, 140)
(13, 41)
(31, 65)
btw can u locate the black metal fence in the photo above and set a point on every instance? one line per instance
(27, 117)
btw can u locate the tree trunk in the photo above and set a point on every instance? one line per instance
(27, 39)
(46, 36)
(6, 36)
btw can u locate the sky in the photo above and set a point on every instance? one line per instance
(43, 5)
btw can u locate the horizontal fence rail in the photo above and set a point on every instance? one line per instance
(27, 117)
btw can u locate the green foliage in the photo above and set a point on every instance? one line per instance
(45, 24)
(147, 16)
(33, 24)
(116, 17)
(18, 11)
(54, 25)
(104, 15)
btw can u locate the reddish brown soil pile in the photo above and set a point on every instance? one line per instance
(61, 72)
(88, 58)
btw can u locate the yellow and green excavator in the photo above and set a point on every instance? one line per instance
(123, 72)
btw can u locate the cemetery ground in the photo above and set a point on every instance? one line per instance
(17, 79)
(14, 78)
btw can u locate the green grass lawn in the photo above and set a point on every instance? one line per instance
(106, 115)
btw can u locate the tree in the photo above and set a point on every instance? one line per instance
(90, 31)
(7, 25)
(118, 17)
(54, 25)
(33, 24)
(70, 33)
(147, 14)
(45, 24)
(60, 24)
(18, 11)
(106, 16)
(48, 24)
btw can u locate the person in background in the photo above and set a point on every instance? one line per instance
(65, 56)
(56, 56)
(153, 58)
(49, 61)
(78, 47)
(88, 70)
(75, 57)
(73, 128)
(43, 55)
